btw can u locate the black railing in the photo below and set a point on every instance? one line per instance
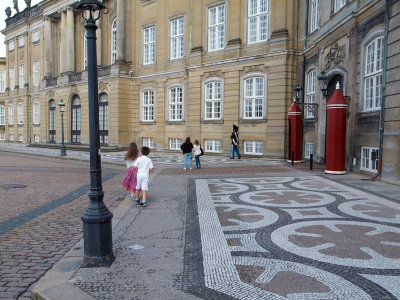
(24, 15)
(75, 77)
(51, 81)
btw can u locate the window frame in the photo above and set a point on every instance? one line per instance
(177, 142)
(174, 117)
(308, 149)
(21, 75)
(148, 142)
(2, 137)
(150, 106)
(179, 38)
(36, 112)
(12, 78)
(149, 54)
(257, 16)
(222, 44)
(254, 145)
(315, 15)
(2, 81)
(213, 101)
(2, 115)
(21, 41)
(11, 45)
(114, 41)
(311, 92)
(36, 36)
(10, 114)
(20, 113)
(212, 145)
(243, 97)
(364, 160)
(36, 72)
(338, 5)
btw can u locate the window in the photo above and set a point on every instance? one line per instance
(373, 75)
(338, 5)
(175, 144)
(11, 137)
(2, 81)
(36, 112)
(36, 138)
(85, 51)
(52, 121)
(314, 15)
(11, 45)
(21, 41)
(213, 145)
(2, 115)
(12, 78)
(36, 72)
(148, 142)
(254, 97)
(20, 137)
(253, 147)
(148, 105)
(369, 159)
(2, 137)
(35, 36)
(103, 118)
(149, 45)
(20, 110)
(257, 20)
(216, 27)
(76, 119)
(175, 104)
(308, 149)
(310, 93)
(114, 41)
(11, 114)
(177, 31)
(21, 75)
(213, 100)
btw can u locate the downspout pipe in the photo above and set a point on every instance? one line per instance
(382, 121)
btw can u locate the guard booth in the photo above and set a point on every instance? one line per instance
(295, 131)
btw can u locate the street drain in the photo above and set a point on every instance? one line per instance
(13, 186)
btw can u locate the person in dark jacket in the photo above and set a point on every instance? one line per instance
(235, 142)
(187, 148)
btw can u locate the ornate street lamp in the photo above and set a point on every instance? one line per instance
(323, 83)
(297, 92)
(97, 229)
(61, 105)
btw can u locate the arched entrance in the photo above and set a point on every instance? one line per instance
(76, 120)
(332, 84)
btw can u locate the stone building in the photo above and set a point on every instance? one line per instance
(167, 69)
(347, 41)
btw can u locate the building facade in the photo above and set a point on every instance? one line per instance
(175, 68)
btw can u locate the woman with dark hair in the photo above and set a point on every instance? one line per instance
(186, 148)
(235, 142)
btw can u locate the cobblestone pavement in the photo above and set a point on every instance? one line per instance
(42, 200)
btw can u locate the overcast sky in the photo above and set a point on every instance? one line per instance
(3, 5)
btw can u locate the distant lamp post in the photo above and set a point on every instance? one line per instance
(323, 83)
(97, 229)
(61, 105)
(297, 92)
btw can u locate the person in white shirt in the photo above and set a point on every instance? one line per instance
(144, 166)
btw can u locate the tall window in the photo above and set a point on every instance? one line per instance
(177, 31)
(103, 118)
(21, 76)
(114, 41)
(21, 41)
(11, 45)
(85, 51)
(314, 15)
(2, 115)
(373, 74)
(175, 104)
(12, 78)
(254, 97)
(213, 100)
(258, 20)
(20, 109)
(2, 81)
(35, 36)
(52, 121)
(10, 114)
(36, 72)
(338, 5)
(149, 45)
(76, 120)
(216, 27)
(36, 112)
(369, 159)
(310, 93)
(148, 105)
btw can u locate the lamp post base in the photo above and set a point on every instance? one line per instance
(63, 151)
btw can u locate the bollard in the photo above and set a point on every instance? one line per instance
(311, 160)
(292, 158)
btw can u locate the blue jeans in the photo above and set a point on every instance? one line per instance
(198, 164)
(188, 158)
(235, 149)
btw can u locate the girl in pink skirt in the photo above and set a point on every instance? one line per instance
(130, 179)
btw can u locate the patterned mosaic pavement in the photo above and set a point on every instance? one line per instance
(290, 238)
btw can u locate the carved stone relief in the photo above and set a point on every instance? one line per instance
(51, 94)
(12, 57)
(335, 56)
(213, 74)
(21, 55)
(103, 87)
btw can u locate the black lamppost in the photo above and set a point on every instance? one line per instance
(97, 229)
(61, 105)
(297, 92)
(323, 83)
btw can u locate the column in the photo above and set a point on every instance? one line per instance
(48, 48)
(121, 31)
(70, 67)
(98, 44)
(63, 43)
